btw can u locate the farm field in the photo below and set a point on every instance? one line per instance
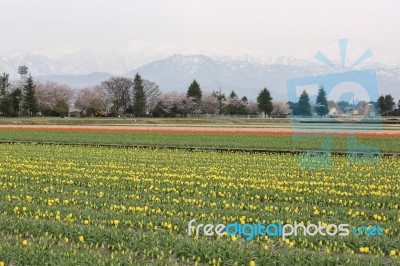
(74, 204)
(95, 205)
(250, 138)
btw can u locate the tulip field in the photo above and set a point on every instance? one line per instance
(88, 205)
(195, 137)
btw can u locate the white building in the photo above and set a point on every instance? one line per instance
(333, 111)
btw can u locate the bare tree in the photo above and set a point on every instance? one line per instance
(170, 101)
(177, 103)
(106, 99)
(280, 108)
(93, 100)
(88, 101)
(152, 93)
(252, 107)
(210, 104)
(188, 105)
(53, 97)
(120, 90)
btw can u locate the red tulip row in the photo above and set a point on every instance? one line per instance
(246, 131)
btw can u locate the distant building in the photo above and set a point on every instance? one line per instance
(370, 110)
(74, 112)
(333, 111)
(349, 110)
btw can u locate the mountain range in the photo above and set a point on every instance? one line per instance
(244, 74)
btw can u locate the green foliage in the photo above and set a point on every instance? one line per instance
(139, 99)
(6, 106)
(4, 84)
(233, 95)
(389, 103)
(303, 107)
(386, 104)
(292, 106)
(264, 101)
(235, 105)
(220, 98)
(343, 105)
(7, 97)
(61, 108)
(321, 103)
(30, 104)
(16, 98)
(194, 92)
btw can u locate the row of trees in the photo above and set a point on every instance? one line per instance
(216, 102)
(112, 97)
(385, 105)
(139, 97)
(17, 98)
(303, 106)
(196, 102)
(123, 96)
(118, 95)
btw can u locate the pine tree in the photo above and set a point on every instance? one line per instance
(139, 99)
(292, 107)
(235, 105)
(389, 103)
(303, 107)
(322, 103)
(4, 84)
(386, 104)
(30, 104)
(264, 101)
(233, 95)
(194, 92)
(5, 103)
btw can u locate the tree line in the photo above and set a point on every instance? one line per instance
(112, 97)
(303, 106)
(17, 98)
(385, 105)
(121, 96)
(138, 97)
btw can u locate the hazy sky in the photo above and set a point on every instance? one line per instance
(284, 27)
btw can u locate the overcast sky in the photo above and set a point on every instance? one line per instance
(284, 27)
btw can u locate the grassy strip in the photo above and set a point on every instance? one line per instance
(286, 142)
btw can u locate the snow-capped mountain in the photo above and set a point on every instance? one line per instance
(246, 74)
(39, 65)
(83, 58)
